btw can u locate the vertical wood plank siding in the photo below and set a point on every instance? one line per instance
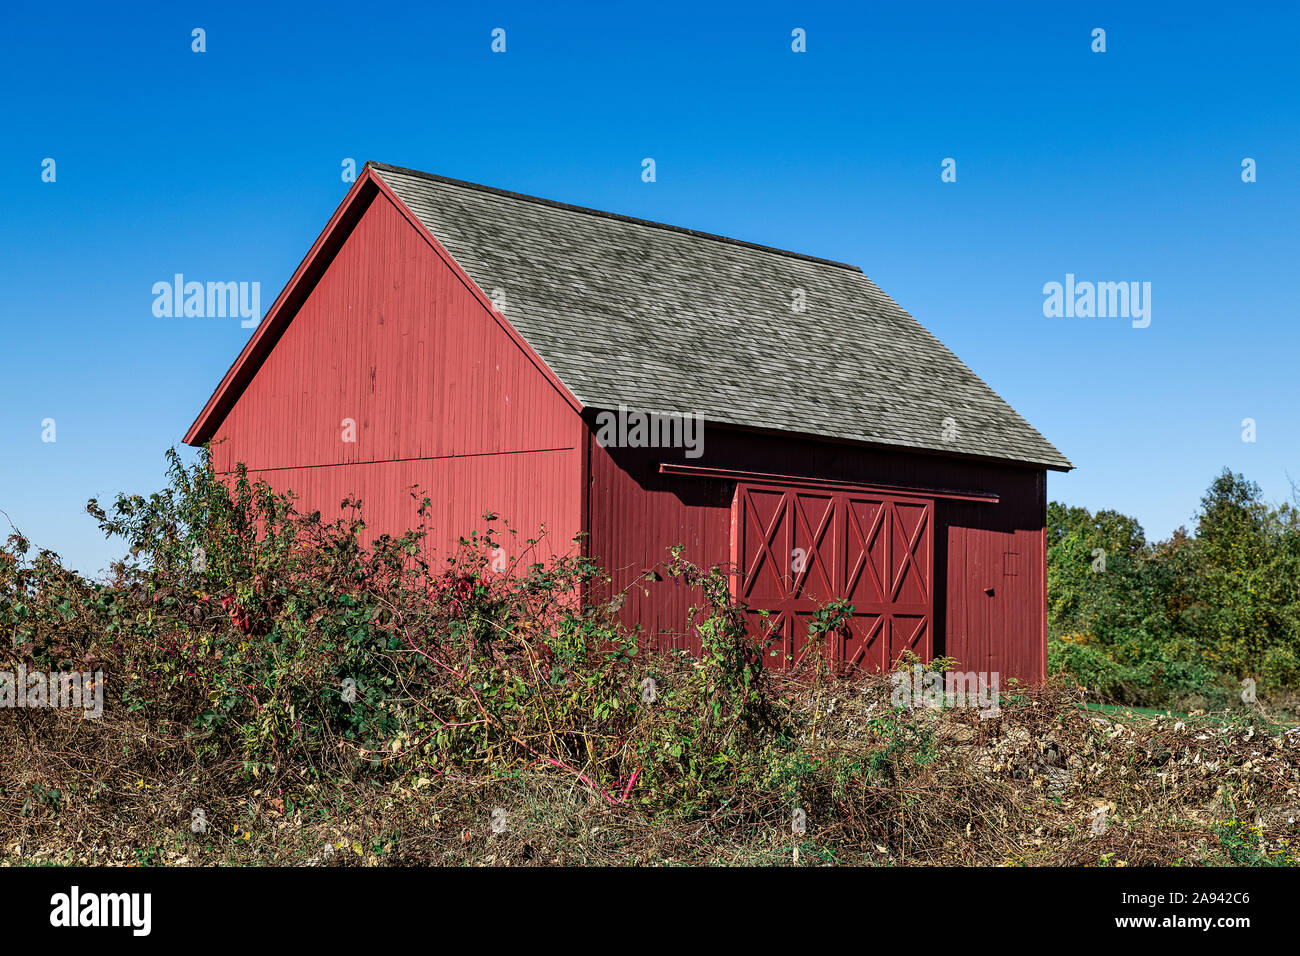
(441, 398)
(636, 513)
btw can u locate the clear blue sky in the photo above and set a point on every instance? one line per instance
(1122, 166)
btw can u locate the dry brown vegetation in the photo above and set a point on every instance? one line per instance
(1022, 788)
(279, 694)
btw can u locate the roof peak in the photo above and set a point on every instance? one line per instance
(587, 210)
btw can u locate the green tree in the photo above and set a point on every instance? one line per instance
(1246, 585)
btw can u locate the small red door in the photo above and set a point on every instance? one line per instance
(796, 548)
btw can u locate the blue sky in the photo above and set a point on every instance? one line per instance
(1115, 166)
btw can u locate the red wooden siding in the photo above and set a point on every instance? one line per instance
(997, 587)
(636, 513)
(442, 397)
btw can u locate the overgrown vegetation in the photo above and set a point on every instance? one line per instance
(280, 689)
(1184, 623)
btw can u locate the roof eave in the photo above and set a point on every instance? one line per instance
(1065, 465)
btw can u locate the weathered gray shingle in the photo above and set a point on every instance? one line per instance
(664, 319)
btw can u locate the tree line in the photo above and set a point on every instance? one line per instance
(1206, 618)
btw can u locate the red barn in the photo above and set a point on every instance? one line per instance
(478, 343)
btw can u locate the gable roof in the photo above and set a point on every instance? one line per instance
(629, 312)
(659, 318)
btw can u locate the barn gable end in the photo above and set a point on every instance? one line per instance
(393, 371)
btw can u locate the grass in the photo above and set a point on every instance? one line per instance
(1274, 723)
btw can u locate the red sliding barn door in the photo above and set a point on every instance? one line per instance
(795, 548)
(889, 574)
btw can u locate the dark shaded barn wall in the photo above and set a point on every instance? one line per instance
(392, 337)
(635, 512)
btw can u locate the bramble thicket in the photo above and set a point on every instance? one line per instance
(281, 689)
